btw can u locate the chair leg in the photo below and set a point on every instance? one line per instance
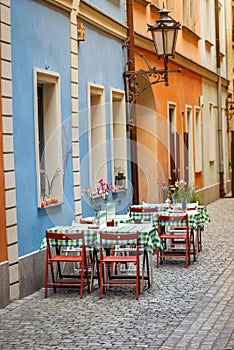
(147, 268)
(46, 279)
(145, 263)
(199, 235)
(157, 257)
(137, 280)
(100, 279)
(81, 279)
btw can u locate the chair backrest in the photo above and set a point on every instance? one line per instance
(173, 220)
(119, 237)
(63, 236)
(84, 221)
(192, 206)
(142, 209)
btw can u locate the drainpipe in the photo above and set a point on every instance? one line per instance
(220, 136)
(133, 129)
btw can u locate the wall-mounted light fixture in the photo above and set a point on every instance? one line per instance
(230, 111)
(164, 35)
(81, 32)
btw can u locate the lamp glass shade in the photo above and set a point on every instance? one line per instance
(165, 41)
(164, 34)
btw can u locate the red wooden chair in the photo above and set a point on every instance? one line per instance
(142, 209)
(84, 221)
(106, 279)
(174, 229)
(55, 241)
(141, 214)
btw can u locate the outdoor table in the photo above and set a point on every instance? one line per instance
(148, 238)
(197, 218)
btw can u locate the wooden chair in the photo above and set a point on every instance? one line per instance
(87, 222)
(140, 214)
(106, 261)
(55, 241)
(174, 229)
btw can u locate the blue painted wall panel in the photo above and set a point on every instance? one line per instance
(101, 61)
(40, 36)
(113, 8)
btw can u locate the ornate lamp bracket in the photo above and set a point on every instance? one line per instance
(149, 77)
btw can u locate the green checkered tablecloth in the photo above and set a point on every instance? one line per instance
(197, 218)
(193, 219)
(90, 235)
(203, 217)
(148, 236)
(141, 215)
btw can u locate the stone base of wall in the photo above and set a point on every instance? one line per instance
(209, 194)
(32, 273)
(4, 285)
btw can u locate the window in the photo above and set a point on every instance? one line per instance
(189, 130)
(119, 139)
(190, 14)
(198, 141)
(48, 139)
(212, 133)
(97, 135)
(174, 145)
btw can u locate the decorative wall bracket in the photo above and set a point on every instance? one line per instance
(148, 77)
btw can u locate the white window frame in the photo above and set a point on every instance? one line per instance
(212, 133)
(171, 106)
(118, 137)
(97, 134)
(189, 129)
(52, 135)
(198, 139)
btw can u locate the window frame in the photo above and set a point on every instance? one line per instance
(118, 154)
(97, 117)
(50, 81)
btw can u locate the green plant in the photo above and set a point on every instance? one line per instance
(189, 193)
(178, 191)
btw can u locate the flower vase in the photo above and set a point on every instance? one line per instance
(168, 202)
(96, 218)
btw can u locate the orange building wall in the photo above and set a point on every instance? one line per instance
(184, 89)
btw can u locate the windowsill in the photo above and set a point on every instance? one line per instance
(191, 32)
(120, 190)
(52, 205)
(208, 44)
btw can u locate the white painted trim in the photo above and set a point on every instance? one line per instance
(46, 77)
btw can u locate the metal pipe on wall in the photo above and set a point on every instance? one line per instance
(133, 129)
(219, 101)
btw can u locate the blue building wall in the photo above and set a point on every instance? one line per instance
(114, 8)
(101, 61)
(40, 36)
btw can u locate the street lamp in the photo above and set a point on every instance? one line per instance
(164, 35)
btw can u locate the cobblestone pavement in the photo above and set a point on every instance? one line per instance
(189, 308)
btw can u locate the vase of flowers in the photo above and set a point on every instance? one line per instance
(103, 189)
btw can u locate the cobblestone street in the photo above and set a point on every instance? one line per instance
(189, 308)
